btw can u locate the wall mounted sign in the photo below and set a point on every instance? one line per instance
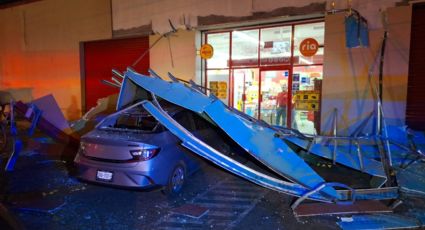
(307, 100)
(207, 51)
(263, 61)
(309, 47)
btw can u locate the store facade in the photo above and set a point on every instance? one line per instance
(266, 71)
(257, 53)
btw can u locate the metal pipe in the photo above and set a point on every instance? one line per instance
(116, 80)
(322, 186)
(110, 83)
(359, 155)
(335, 140)
(117, 73)
(310, 146)
(13, 129)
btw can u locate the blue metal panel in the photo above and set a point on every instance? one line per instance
(174, 92)
(371, 167)
(401, 135)
(412, 179)
(378, 221)
(262, 144)
(356, 32)
(17, 147)
(387, 193)
(209, 153)
(202, 149)
(127, 92)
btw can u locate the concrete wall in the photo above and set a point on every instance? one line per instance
(346, 85)
(132, 14)
(396, 67)
(39, 47)
(175, 54)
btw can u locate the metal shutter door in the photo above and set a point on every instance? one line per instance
(415, 111)
(100, 57)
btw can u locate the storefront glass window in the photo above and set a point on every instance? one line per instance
(245, 48)
(306, 90)
(274, 96)
(221, 44)
(275, 46)
(255, 70)
(304, 31)
(245, 90)
(218, 83)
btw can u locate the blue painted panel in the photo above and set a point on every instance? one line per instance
(209, 153)
(205, 151)
(412, 179)
(379, 221)
(262, 145)
(371, 167)
(399, 134)
(174, 92)
(17, 147)
(126, 93)
(356, 32)
(261, 142)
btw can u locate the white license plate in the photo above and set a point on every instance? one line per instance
(104, 175)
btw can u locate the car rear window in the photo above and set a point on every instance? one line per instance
(132, 122)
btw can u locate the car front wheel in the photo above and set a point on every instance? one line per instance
(176, 181)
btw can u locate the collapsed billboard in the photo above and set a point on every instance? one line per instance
(274, 147)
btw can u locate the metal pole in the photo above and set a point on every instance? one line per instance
(382, 128)
(335, 133)
(380, 83)
(359, 155)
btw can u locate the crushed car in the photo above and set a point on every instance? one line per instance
(130, 148)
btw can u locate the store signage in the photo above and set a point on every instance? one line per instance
(207, 51)
(309, 47)
(307, 100)
(263, 61)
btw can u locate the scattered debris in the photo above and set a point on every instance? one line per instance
(317, 209)
(278, 155)
(379, 221)
(47, 205)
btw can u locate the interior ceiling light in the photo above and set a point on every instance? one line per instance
(247, 37)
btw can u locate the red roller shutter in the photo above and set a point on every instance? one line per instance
(100, 57)
(415, 111)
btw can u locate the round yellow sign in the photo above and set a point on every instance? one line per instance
(207, 51)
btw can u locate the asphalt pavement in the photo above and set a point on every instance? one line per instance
(42, 194)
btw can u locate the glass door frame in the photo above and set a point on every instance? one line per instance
(289, 104)
(232, 84)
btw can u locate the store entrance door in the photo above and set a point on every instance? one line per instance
(275, 96)
(245, 90)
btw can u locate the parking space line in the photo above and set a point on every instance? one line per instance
(228, 201)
